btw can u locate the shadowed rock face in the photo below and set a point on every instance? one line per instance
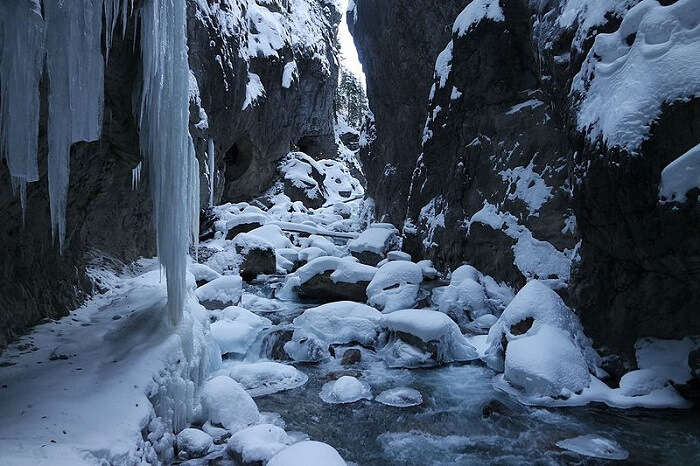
(491, 170)
(110, 222)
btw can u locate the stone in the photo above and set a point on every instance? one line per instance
(351, 356)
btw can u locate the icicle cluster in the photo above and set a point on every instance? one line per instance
(212, 170)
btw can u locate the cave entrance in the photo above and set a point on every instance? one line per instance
(237, 161)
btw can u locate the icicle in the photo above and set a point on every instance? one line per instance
(136, 177)
(165, 139)
(21, 64)
(212, 171)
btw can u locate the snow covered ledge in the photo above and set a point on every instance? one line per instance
(112, 381)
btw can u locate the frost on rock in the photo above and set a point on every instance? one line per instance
(258, 443)
(236, 329)
(346, 389)
(307, 453)
(224, 290)
(265, 378)
(594, 446)
(529, 187)
(680, 176)
(225, 402)
(395, 286)
(400, 397)
(332, 324)
(652, 59)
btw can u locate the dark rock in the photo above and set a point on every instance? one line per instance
(349, 372)
(351, 356)
(258, 261)
(494, 408)
(522, 327)
(322, 289)
(351, 140)
(368, 257)
(694, 362)
(242, 228)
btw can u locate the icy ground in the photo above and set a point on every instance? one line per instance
(411, 366)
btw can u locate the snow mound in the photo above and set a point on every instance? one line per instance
(334, 323)
(398, 256)
(265, 378)
(400, 397)
(474, 13)
(307, 453)
(375, 239)
(652, 59)
(203, 273)
(224, 401)
(237, 329)
(346, 389)
(429, 272)
(395, 286)
(225, 290)
(193, 442)
(345, 269)
(594, 446)
(246, 218)
(258, 443)
(680, 176)
(273, 235)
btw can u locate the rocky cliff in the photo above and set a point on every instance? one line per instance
(262, 80)
(538, 154)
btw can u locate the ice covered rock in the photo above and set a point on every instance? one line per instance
(373, 243)
(221, 291)
(225, 402)
(244, 223)
(420, 338)
(307, 453)
(273, 235)
(346, 389)
(264, 378)
(594, 446)
(332, 324)
(400, 397)
(202, 274)
(237, 329)
(193, 443)
(331, 278)
(258, 443)
(395, 286)
(547, 363)
(258, 256)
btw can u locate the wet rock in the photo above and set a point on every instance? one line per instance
(351, 356)
(494, 408)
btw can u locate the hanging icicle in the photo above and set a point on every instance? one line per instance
(136, 177)
(212, 171)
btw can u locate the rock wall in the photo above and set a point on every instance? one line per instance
(108, 222)
(502, 173)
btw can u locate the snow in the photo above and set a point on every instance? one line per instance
(254, 90)
(202, 272)
(225, 402)
(432, 215)
(594, 446)
(622, 87)
(307, 453)
(532, 103)
(398, 256)
(266, 377)
(346, 389)
(259, 443)
(429, 272)
(474, 13)
(345, 270)
(194, 442)
(590, 14)
(529, 187)
(212, 170)
(395, 286)
(400, 397)
(226, 289)
(680, 176)
(547, 363)
(272, 234)
(290, 74)
(443, 67)
(374, 239)
(237, 329)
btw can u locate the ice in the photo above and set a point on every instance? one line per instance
(334, 323)
(547, 363)
(680, 176)
(212, 170)
(136, 176)
(474, 13)
(346, 389)
(307, 453)
(395, 286)
(226, 289)
(290, 74)
(400, 397)
(237, 329)
(373, 239)
(432, 215)
(225, 402)
(265, 378)
(194, 442)
(594, 446)
(259, 443)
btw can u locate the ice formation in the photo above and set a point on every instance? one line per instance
(212, 170)
(346, 389)
(400, 397)
(259, 443)
(266, 377)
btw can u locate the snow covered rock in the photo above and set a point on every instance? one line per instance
(225, 402)
(330, 278)
(244, 223)
(237, 329)
(221, 291)
(398, 256)
(373, 243)
(265, 378)
(258, 256)
(346, 389)
(400, 397)
(193, 443)
(307, 453)
(332, 324)
(423, 338)
(680, 177)
(395, 286)
(258, 443)
(303, 179)
(202, 273)
(594, 446)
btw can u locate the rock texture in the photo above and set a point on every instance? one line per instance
(498, 174)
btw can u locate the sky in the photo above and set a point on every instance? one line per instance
(347, 47)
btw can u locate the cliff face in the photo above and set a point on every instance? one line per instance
(531, 159)
(263, 77)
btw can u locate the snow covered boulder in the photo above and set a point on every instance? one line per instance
(328, 279)
(193, 443)
(258, 256)
(303, 179)
(373, 243)
(336, 323)
(423, 338)
(395, 286)
(244, 223)
(264, 378)
(307, 453)
(225, 402)
(220, 292)
(535, 306)
(429, 271)
(203, 274)
(257, 443)
(346, 389)
(236, 329)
